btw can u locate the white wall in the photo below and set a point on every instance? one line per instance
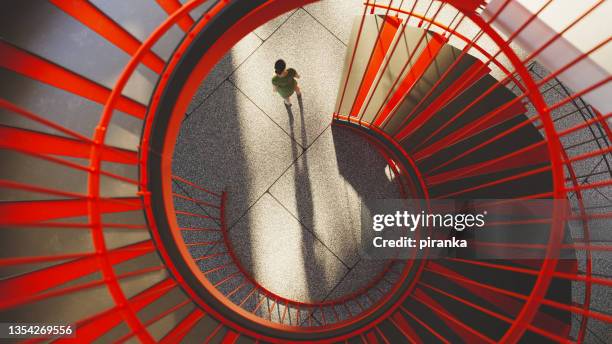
(586, 34)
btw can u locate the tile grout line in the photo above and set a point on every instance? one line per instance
(590, 330)
(312, 313)
(304, 152)
(319, 135)
(325, 27)
(230, 226)
(265, 113)
(214, 90)
(342, 279)
(308, 229)
(279, 26)
(263, 40)
(326, 298)
(304, 149)
(227, 77)
(299, 156)
(284, 172)
(259, 46)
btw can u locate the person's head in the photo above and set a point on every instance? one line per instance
(279, 66)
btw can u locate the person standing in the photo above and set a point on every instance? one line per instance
(284, 82)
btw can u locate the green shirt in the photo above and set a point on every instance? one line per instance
(285, 85)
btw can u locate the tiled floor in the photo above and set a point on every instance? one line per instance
(283, 255)
(295, 184)
(317, 56)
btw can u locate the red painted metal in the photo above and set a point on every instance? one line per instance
(382, 335)
(497, 182)
(230, 337)
(171, 6)
(23, 212)
(350, 67)
(515, 101)
(469, 6)
(473, 74)
(19, 289)
(418, 174)
(520, 325)
(422, 39)
(469, 45)
(391, 52)
(112, 102)
(179, 212)
(519, 126)
(37, 68)
(37, 142)
(36, 118)
(402, 324)
(34, 213)
(180, 331)
(155, 319)
(497, 315)
(185, 101)
(417, 70)
(502, 114)
(92, 328)
(427, 327)
(88, 14)
(471, 42)
(466, 332)
(196, 201)
(531, 155)
(386, 34)
(370, 337)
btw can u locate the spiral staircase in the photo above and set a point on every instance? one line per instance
(104, 235)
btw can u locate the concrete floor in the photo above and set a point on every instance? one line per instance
(295, 184)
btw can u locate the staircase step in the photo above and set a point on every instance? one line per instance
(422, 64)
(385, 39)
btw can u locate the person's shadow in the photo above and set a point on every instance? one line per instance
(290, 113)
(314, 269)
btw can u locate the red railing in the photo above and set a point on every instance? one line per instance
(529, 92)
(226, 273)
(89, 212)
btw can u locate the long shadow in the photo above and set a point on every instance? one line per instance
(366, 171)
(210, 153)
(362, 166)
(313, 269)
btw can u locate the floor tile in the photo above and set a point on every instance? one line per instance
(336, 15)
(282, 255)
(229, 145)
(266, 30)
(327, 185)
(240, 52)
(299, 43)
(362, 274)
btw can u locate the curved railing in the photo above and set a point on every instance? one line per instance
(101, 271)
(545, 116)
(226, 273)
